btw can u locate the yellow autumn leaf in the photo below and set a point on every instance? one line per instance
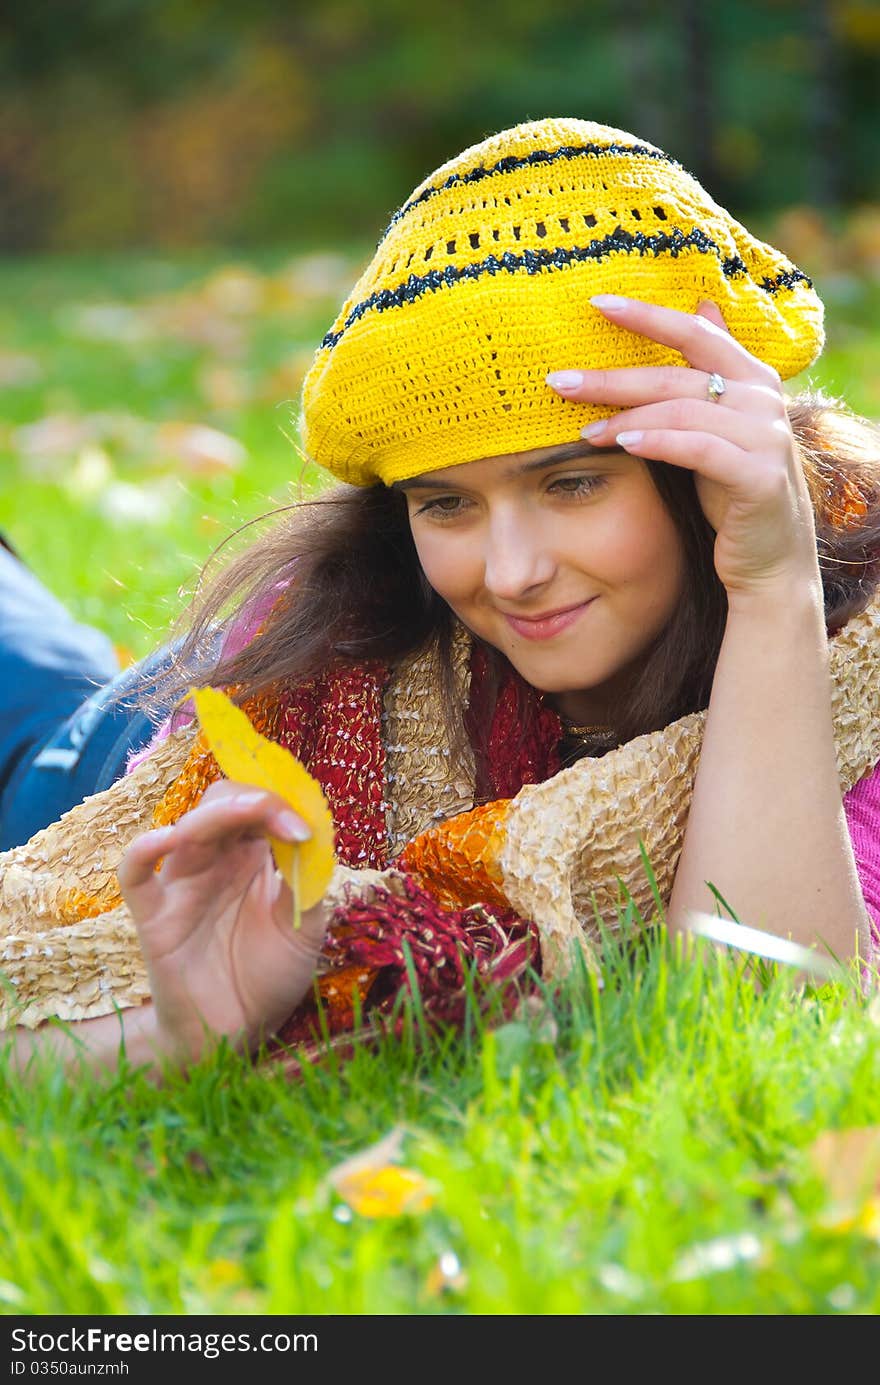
(385, 1192)
(249, 758)
(848, 1162)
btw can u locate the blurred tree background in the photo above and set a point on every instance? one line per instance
(179, 123)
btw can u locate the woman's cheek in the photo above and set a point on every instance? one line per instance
(441, 563)
(644, 549)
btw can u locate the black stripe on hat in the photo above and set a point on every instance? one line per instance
(537, 156)
(536, 261)
(786, 279)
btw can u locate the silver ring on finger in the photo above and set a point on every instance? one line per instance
(715, 387)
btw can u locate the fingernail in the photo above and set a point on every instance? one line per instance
(629, 439)
(292, 828)
(593, 430)
(247, 800)
(565, 379)
(609, 302)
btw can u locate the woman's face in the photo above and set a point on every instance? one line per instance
(564, 558)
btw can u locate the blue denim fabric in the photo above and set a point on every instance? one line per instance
(59, 739)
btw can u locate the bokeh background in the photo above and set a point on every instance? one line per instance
(189, 187)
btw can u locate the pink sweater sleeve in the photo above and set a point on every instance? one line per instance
(240, 632)
(862, 808)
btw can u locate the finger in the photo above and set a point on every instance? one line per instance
(712, 313)
(704, 453)
(701, 342)
(753, 483)
(137, 870)
(623, 386)
(250, 805)
(686, 415)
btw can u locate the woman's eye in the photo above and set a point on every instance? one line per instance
(442, 505)
(577, 485)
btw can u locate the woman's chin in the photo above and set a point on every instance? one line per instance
(557, 682)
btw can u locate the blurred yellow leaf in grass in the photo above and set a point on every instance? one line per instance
(386, 1192)
(848, 1162)
(249, 758)
(373, 1186)
(223, 1273)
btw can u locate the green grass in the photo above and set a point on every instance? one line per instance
(639, 1148)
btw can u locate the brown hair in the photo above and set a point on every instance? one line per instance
(341, 582)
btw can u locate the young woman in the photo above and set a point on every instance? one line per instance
(574, 593)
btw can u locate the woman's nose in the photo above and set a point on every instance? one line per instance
(517, 559)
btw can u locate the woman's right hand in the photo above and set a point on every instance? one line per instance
(215, 922)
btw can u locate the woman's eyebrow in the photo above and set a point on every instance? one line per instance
(568, 452)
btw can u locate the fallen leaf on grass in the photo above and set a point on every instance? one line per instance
(848, 1162)
(388, 1192)
(373, 1186)
(200, 450)
(249, 758)
(57, 437)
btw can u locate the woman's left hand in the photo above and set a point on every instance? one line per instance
(749, 477)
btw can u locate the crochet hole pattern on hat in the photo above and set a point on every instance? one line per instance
(482, 282)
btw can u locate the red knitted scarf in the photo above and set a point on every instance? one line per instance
(334, 725)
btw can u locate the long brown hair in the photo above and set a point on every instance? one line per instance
(340, 582)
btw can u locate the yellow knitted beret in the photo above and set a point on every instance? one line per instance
(481, 285)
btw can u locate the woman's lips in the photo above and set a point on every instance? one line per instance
(545, 627)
